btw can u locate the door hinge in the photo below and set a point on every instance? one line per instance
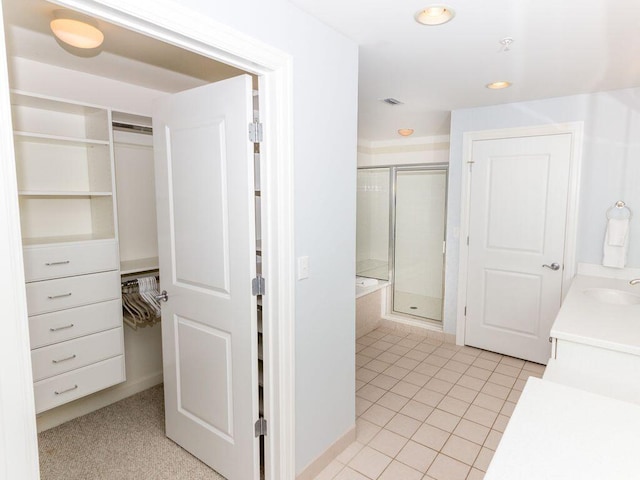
(258, 285)
(255, 132)
(261, 427)
(465, 311)
(467, 240)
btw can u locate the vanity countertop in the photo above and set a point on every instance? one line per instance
(560, 432)
(584, 319)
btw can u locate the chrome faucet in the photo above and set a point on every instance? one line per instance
(634, 281)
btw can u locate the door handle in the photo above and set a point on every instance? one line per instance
(553, 266)
(164, 296)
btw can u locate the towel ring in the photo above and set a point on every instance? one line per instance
(620, 205)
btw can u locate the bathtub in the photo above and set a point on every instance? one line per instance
(370, 302)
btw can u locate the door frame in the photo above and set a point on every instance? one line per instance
(575, 129)
(192, 31)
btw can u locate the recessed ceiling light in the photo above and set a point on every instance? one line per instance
(76, 31)
(405, 132)
(434, 15)
(498, 85)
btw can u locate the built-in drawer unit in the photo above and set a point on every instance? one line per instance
(50, 328)
(53, 295)
(80, 352)
(78, 383)
(65, 174)
(44, 262)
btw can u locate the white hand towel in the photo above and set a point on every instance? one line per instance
(617, 231)
(616, 243)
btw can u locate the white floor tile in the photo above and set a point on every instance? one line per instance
(350, 474)
(428, 410)
(461, 449)
(417, 456)
(388, 442)
(370, 462)
(447, 468)
(400, 471)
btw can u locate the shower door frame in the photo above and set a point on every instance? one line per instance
(389, 313)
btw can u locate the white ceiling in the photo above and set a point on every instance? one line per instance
(124, 56)
(560, 48)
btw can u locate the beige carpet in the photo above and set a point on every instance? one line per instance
(120, 442)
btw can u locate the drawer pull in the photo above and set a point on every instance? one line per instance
(64, 359)
(65, 391)
(51, 297)
(51, 264)
(61, 328)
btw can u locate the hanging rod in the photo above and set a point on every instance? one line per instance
(133, 128)
(134, 281)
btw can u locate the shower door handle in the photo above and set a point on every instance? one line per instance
(553, 266)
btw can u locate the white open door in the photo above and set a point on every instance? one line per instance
(206, 232)
(517, 221)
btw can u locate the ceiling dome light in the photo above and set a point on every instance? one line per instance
(498, 85)
(405, 132)
(434, 15)
(77, 33)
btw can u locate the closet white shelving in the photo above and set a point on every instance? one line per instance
(135, 184)
(64, 170)
(65, 174)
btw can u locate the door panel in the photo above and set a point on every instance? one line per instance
(519, 189)
(206, 230)
(204, 375)
(517, 185)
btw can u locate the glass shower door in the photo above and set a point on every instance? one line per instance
(372, 237)
(420, 211)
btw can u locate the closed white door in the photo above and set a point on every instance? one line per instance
(206, 232)
(518, 208)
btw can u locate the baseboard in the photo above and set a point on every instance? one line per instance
(82, 406)
(325, 458)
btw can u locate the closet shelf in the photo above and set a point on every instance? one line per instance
(89, 237)
(62, 193)
(59, 139)
(138, 265)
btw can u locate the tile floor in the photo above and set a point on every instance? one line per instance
(427, 410)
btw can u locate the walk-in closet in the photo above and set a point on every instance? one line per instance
(97, 254)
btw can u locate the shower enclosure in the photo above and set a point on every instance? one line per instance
(401, 233)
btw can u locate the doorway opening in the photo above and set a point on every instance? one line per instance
(53, 87)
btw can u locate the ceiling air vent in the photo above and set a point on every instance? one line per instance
(392, 101)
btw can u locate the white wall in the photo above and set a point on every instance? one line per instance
(18, 452)
(47, 79)
(404, 151)
(610, 167)
(325, 133)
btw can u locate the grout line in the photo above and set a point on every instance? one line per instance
(393, 339)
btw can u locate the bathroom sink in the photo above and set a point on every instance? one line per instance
(612, 296)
